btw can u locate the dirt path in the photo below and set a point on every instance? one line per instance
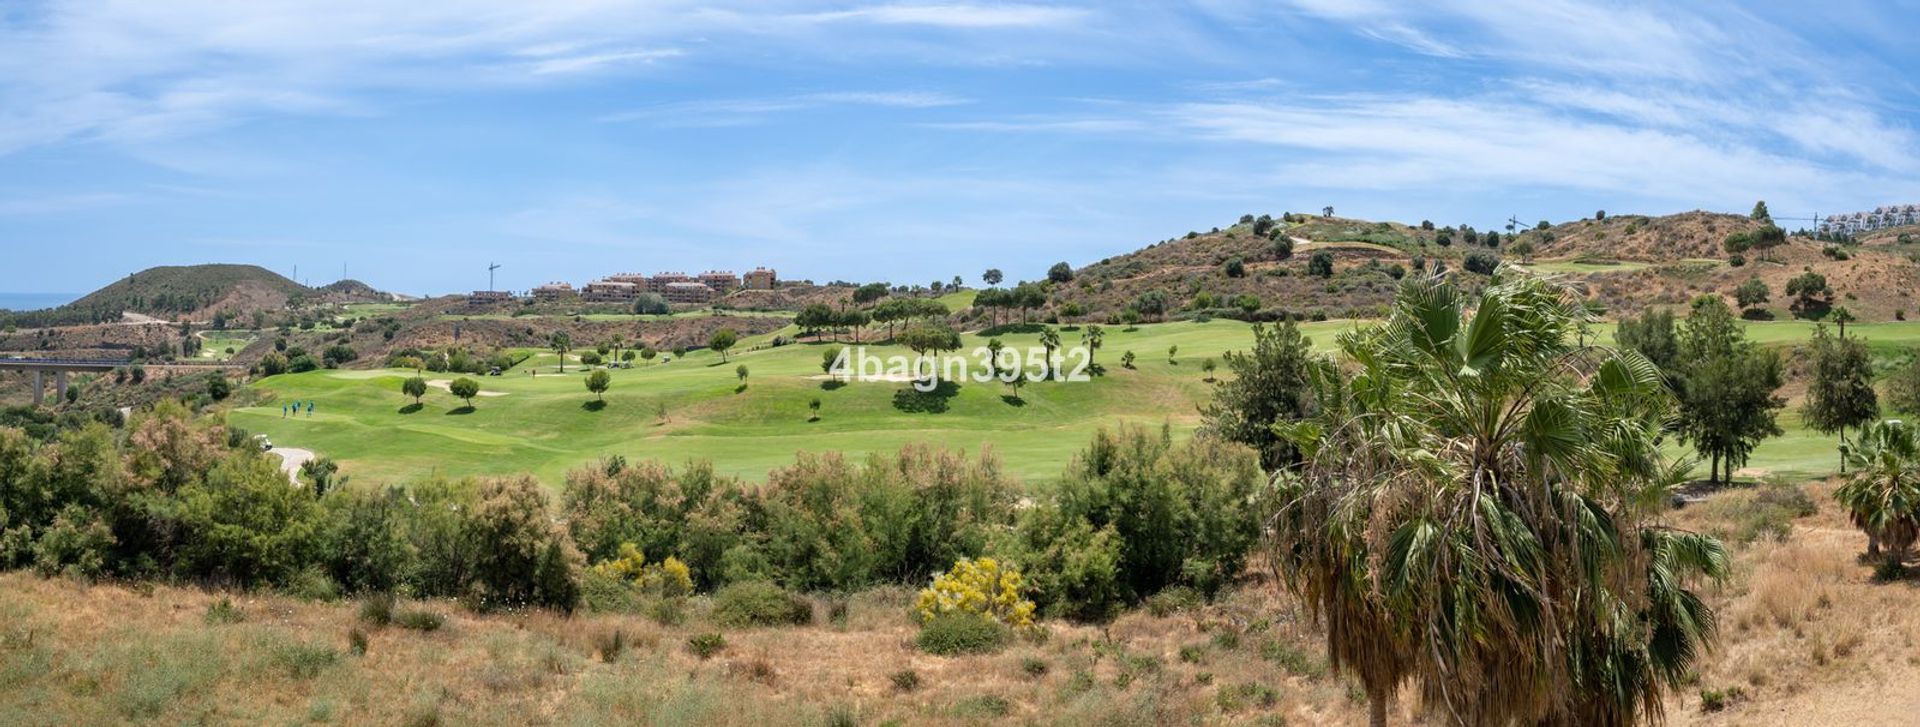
(290, 460)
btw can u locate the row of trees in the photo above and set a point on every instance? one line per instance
(180, 498)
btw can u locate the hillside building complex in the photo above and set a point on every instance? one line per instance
(687, 291)
(675, 287)
(553, 291)
(610, 291)
(1880, 217)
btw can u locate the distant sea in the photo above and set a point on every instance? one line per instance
(35, 301)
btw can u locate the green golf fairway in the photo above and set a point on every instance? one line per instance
(547, 424)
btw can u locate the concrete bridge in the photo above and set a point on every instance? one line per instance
(59, 367)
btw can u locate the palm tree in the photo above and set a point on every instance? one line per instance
(561, 343)
(1474, 515)
(1092, 337)
(1883, 496)
(1050, 340)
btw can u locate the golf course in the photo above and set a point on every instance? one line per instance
(534, 418)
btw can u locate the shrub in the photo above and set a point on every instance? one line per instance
(313, 583)
(1766, 511)
(611, 644)
(961, 632)
(1292, 659)
(980, 586)
(1714, 700)
(669, 578)
(693, 514)
(1034, 666)
(526, 560)
(302, 660)
(419, 620)
(222, 612)
(668, 611)
(1320, 264)
(905, 680)
(357, 642)
(984, 706)
(1481, 262)
(1135, 514)
(759, 603)
(1240, 696)
(706, 645)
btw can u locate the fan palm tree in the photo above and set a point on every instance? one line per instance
(1050, 340)
(1092, 337)
(1883, 496)
(1473, 517)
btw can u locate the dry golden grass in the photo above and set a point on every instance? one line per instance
(1806, 635)
(1806, 638)
(102, 654)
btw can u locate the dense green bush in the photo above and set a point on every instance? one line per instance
(823, 523)
(1134, 514)
(525, 558)
(175, 496)
(962, 632)
(171, 497)
(759, 603)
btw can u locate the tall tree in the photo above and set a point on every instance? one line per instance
(1726, 385)
(1050, 340)
(1271, 384)
(1840, 392)
(929, 336)
(1841, 317)
(1752, 294)
(1903, 386)
(561, 343)
(1811, 294)
(722, 340)
(1475, 516)
(1653, 335)
(1092, 337)
(993, 276)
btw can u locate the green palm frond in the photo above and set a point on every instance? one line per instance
(1474, 513)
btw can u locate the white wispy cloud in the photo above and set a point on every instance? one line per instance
(959, 15)
(130, 69)
(744, 111)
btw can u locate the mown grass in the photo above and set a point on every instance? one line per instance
(541, 424)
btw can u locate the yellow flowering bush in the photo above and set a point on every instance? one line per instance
(981, 586)
(670, 577)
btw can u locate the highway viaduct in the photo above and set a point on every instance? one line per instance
(59, 367)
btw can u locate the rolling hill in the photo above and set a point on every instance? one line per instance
(1626, 262)
(170, 292)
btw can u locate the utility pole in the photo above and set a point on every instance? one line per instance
(490, 268)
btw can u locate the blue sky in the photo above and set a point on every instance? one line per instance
(415, 142)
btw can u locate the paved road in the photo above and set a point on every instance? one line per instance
(291, 459)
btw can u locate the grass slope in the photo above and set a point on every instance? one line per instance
(544, 423)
